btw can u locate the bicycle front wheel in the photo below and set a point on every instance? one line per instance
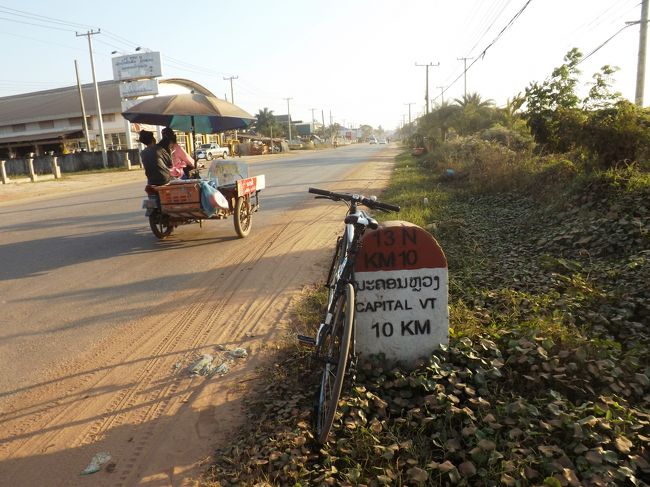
(335, 347)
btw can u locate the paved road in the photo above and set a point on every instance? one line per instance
(98, 315)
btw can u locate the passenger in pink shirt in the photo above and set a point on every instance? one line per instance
(182, 163)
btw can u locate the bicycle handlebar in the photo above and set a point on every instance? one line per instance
(355, 198)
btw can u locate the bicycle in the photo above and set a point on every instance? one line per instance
(334, 341)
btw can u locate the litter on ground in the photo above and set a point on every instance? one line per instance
(97, 463)
(203, 366)
(207, 365)
(238, 353)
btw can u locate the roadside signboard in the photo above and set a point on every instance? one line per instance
(401, 293)
(137, 66)
(142, 87)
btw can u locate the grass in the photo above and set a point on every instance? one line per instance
(545, 380)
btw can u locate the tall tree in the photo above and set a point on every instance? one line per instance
(553, 107)
(600, 94)
(266, 124)
(474, 114)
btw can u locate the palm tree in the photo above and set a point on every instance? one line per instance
(266, 123)
(474, 114)
(474, 99)
(436, 125)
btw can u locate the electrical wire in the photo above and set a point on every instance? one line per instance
(604, 43)
(40, 18)
(495, 18)
(481, 56)
(36, 25)
(115, 41)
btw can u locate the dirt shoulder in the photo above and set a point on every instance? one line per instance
(132, 396)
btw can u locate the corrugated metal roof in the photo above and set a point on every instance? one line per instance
(59, 103)
(43, 137)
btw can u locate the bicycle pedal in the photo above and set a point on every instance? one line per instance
(305, 340)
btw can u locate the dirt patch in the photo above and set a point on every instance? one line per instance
(132, 394)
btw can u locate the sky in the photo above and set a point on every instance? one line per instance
(353, 59)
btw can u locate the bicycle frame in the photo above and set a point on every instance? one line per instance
(334, 342)
(343, 271)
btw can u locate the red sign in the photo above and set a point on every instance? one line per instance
(246, 186)
(401, 283)
(399, 245)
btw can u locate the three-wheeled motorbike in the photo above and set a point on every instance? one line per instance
(227, 191)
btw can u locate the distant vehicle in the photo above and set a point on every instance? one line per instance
(372, 140)
(295, 144)
(212, 150)
(382, 141)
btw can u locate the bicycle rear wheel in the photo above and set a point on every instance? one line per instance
(335, 347)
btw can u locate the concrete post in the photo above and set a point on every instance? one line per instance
(30, 164)
(56, 170)
(127, 161)
(3, 172)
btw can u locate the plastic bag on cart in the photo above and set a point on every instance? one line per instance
(224, 173)
(212, 199)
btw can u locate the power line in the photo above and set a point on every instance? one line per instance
(495, 18)
(482, 54)
(603, 44)
(486, 19)
(40, 18)
(37, 25)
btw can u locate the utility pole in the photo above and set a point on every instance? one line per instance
(640, 68)
(409, 104)
(289, 117)
(426, 90)
(232, 96)
(232, 100)
(83, 107)
(464, 59)
(313, 127)
(99, 106)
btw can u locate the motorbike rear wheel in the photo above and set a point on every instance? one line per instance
(243, 216)
(160, 225)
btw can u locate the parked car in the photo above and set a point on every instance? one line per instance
(212, 150)
(382, 141)
(295, 144)
(372, 140)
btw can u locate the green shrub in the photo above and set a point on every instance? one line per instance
(516, 138)
(617, 134)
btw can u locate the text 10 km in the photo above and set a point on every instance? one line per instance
(406, 328)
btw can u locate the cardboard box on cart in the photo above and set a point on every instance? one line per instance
(179, 196)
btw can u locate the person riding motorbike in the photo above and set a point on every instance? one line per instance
(155, 159)
(182, 163)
